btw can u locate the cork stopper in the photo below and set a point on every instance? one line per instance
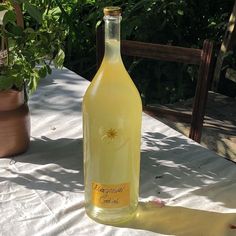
(112, 11)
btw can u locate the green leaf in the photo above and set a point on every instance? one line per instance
(34, 82)
(2, 15)
(5, 82)
(59, 59)
(18, 82)
(56, 11)
(43, 72)
(29, 30)
(212, 24)
(98, 23)
(14, 30)
(180, 12)
(3, 7)
(49, 70)
(9, 17)
(34, 12)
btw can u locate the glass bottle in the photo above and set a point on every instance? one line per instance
(112, 113)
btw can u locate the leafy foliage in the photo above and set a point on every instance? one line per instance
(182, 23)
(38, 44)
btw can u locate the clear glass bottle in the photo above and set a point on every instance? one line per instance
(112, 113)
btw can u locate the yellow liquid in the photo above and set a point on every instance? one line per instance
(112, 132)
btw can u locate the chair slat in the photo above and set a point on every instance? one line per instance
(161, 52)
(200, 98)
(166, 112)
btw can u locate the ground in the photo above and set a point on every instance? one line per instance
(219, 130)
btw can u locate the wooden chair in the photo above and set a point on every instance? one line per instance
(202, 57)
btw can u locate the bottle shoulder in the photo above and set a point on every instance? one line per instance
(114, 83)
(113, 74)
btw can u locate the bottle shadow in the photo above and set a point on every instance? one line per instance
(181, 221)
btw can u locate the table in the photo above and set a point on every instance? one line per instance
(41, 191)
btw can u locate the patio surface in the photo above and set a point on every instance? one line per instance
(219, 131)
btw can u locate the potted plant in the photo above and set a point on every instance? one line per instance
(27, 49)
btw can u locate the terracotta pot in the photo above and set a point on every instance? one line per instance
(14, 123)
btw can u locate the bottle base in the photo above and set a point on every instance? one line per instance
(110, 216)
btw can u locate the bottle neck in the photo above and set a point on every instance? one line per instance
(112, 38)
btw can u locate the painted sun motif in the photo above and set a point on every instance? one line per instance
(111, 133)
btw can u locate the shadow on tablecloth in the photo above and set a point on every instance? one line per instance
(168, 165)
(182, 221)
(177, 170)
(50, 165)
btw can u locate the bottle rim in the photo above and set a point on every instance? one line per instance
(112, 11)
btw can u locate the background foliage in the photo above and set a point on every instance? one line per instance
(179, 22)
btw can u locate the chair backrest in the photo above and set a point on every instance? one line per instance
(202, 57)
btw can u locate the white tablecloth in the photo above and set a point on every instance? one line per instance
(41, 191)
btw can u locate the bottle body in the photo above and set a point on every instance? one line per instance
(112, 123)
(112, 113)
